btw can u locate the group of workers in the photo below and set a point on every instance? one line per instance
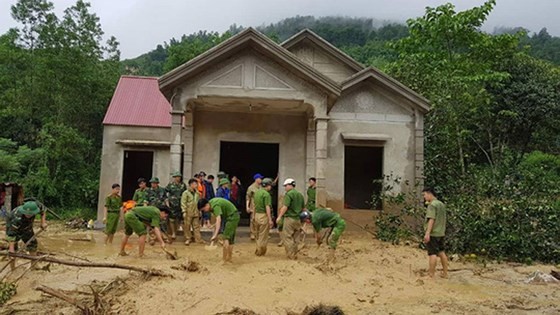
(156, 207)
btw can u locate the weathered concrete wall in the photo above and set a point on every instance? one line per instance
(369, 110)
(112, 156)
(318, 59)
(289, 131)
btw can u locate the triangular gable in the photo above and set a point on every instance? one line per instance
(248, 38)
(325, 47)
(376, 75)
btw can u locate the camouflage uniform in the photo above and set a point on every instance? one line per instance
(19, 227)
(156, 197)
(174, 193)
(140, 196)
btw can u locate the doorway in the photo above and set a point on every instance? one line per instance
(136, 164)
(362, 166)
(245, 159)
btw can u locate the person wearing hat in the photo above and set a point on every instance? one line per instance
(222, 209)
(140, 194)
(112, 212)
(191, 215)
(157, 197)
(175, 190)
(325, 219)
(250, 200)
(223, 189)
(19, 226)
(293, 204)
(263, 216)
(138, 220)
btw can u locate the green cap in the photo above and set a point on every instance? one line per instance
(221, 174)
(267, 182)
(154, 180)
(176, 174)
(223, 181)
(29, 208)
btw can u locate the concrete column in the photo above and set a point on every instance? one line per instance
(419, 147)
(188, 138)
(175, 149)
(321, 160)
(310, 149)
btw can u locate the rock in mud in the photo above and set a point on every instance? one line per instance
(191, 266)
(539, 277)
(321, 309)
(238, 311)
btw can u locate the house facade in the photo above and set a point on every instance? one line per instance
(298, 109)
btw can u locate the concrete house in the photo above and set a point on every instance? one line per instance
(299, 109)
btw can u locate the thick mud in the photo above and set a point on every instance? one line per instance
(368, 277)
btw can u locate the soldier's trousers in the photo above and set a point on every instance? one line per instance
(262, 229)
(291, 232)
(194, 223)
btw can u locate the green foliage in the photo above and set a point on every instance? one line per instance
(7, 290)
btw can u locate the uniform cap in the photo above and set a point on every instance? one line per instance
(223, 181)
(30, 208)
(154, 180)
(176, 174)
(267, 182)
(290, 181)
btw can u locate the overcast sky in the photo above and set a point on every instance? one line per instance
(140, 25)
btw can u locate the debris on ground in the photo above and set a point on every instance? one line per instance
(171, 255)
(555, 274)
(320, 309)
(190, 266)
(76, 223)
(7, 290)
(539, 277)
(237, 311)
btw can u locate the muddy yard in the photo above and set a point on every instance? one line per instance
(369, 277)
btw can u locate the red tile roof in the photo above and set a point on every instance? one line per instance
(138, 102)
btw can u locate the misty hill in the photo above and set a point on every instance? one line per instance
(365, 39)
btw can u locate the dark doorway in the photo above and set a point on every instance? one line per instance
(245, 159)
(136, 164)
(362, 165)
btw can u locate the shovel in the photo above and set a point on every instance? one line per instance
(211, 247)
(170, 255)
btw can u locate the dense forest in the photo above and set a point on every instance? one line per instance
(492, 136)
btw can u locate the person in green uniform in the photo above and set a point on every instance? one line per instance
(251, 190)
(434, 238)
(138, 220)
(324, 219)
(157, 197)
(311, 194)
(112, 212)
(19, 226)
(175, 190)
(222, 209)
(293, 204)
(140, 193)
(263, 216)
(191, 215)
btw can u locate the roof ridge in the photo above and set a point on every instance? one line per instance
(130, 76)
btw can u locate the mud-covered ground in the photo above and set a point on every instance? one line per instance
(368, 277)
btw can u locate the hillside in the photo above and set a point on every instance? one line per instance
(365, 39)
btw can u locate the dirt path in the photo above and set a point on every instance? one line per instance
(370, 277)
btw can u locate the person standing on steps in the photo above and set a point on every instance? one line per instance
(325, 219)
(251, 191)
(289, 213)
(222, 209)
(263, 216)
(112, 213)
(157, 197)
(434, 238)
(191, 215)
(175, 190)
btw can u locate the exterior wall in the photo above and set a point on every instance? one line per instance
(318, 59)
(367, 109)
(288, 131)
(112, 156)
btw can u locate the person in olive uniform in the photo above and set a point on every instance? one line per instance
(434, 238)
(222, 209)
(263, 216)
(175, 190)
(112, 212)
(140, 194)
(19, 226)
(157, 197)
(138, 220)
(324, 219)
(311, 195)
(293, 204)
(191, 215)
(251, 190)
